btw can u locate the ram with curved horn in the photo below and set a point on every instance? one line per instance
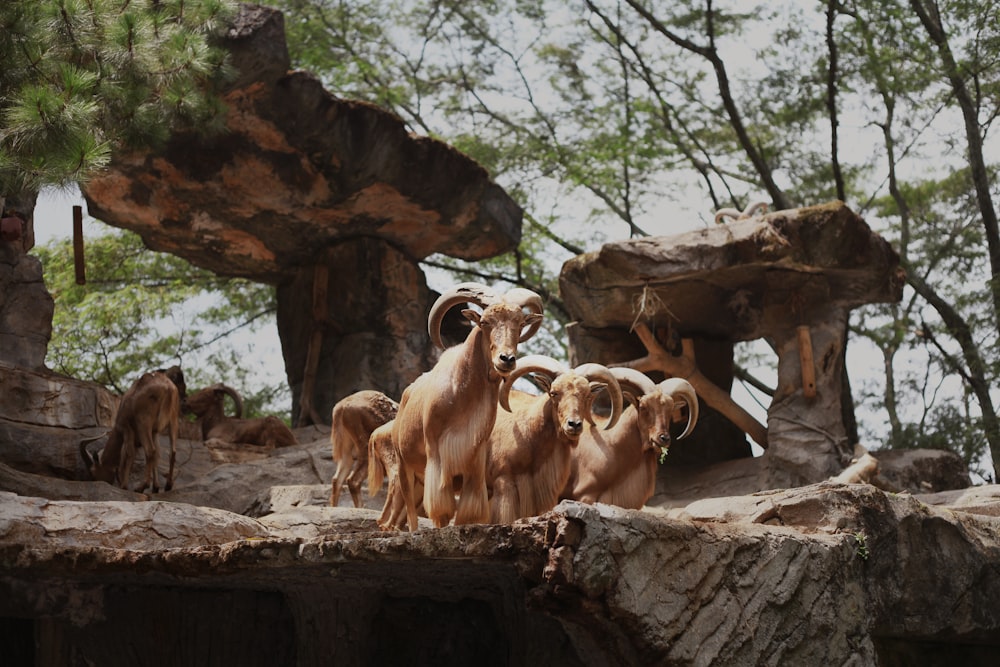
(208, 406)
(446, 415)
(618, 466)
(531, 443)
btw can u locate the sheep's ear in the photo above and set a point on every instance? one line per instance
(542, 381)
(596, 386)
(472, 315)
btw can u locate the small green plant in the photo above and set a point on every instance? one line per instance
(663, 454)
(861, 545)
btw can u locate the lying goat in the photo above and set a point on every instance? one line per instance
(207, 405)
(151, 406)
(532, 440)
(446, 414)
(619, 466)
(353, 419)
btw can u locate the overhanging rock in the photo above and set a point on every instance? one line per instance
(790, 277)
(299, 185)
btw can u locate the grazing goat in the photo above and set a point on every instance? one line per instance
(446, 414)
(619, 466)
(207, 405)
(529, 448)
(353, 419)
(151, 406)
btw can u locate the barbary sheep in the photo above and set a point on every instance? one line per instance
(383, 462)
(207, 405)
(353, 419)
(149, 407)
(446, 414)
(619, 466)
(531, 443)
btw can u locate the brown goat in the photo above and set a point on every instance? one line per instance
(353, 419)
(151, 406)
(529, 448)
(207, 405)
(446, 415)
(619, 466)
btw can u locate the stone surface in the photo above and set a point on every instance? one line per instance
(763, 277)
(296, 171)
(25, 309)
(332, 201)
(826, 574)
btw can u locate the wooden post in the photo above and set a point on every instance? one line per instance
(806, 362)
(78, 263)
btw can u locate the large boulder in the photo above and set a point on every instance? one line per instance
(826, 574)
(333, 201)
(788, 277)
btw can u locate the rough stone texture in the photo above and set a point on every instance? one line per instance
(25, 309)
(302, 179)
(756, 278)
(43, 416)
(827, 574)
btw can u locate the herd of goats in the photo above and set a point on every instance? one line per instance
(461, 444)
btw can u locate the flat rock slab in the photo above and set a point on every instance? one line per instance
(826, 574)
(735, 281)
(298, 170)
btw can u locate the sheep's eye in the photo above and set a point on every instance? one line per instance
(554, 394)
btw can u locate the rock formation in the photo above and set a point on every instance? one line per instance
(330, 200)
(827, 574)
(790, 277)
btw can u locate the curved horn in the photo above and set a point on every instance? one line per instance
(235, 395)
(602, 373)
(727, 213)
(476, 293)
(754, 208)
(531, 363)
(525, 298)
(636, 382)
(89, 460)
(682, 389)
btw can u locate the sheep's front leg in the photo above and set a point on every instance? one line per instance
(504, 500)
(473, 502)
(125, 459)
(439, 496)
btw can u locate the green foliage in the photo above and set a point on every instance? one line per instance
(82, 77)
(141, 310)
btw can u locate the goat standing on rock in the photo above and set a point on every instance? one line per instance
(532, 440)
(446, 415)
(207, 405)
(619, 466)
(352, 421)
(151, 406)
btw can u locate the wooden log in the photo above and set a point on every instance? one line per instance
(685, 367)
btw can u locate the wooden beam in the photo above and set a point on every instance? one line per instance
(684, 366)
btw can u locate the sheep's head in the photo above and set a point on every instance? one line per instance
(570, 393)
(506, 320)
(92, 462)
(657, 405)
